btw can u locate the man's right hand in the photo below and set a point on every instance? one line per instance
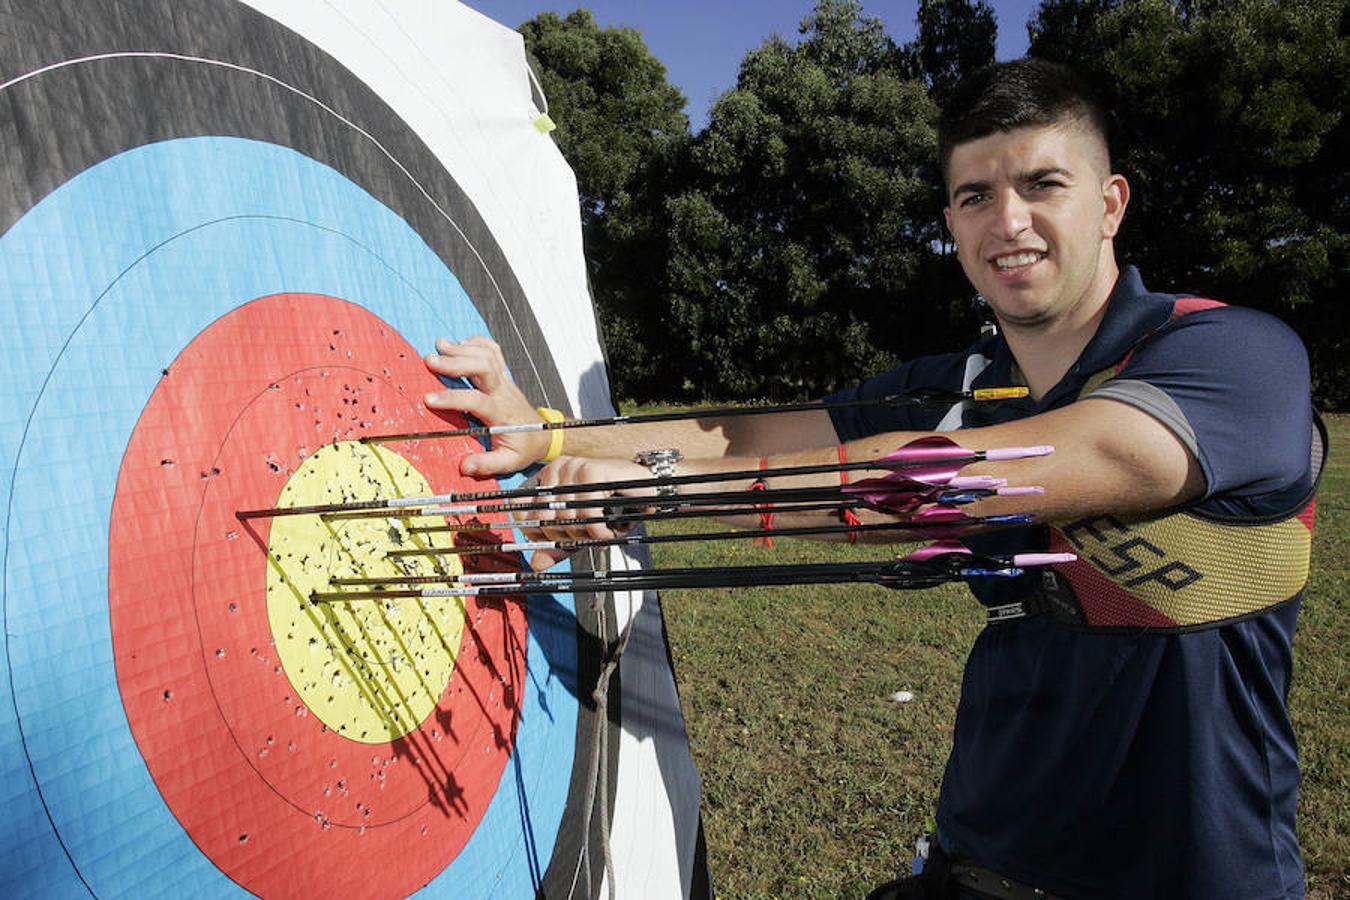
(493, 400)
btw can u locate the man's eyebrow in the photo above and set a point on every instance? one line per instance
(1038, 174)
(970, 187)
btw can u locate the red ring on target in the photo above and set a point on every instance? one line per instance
(276, 798)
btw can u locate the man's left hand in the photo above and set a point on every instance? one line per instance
(494, 399)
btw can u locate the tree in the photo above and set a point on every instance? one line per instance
(1230, 127)
(622, 128)
(955, 38)
(801, 251)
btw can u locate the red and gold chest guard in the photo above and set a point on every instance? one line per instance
(1179, 570)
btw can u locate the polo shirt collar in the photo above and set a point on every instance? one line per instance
(1131, 313)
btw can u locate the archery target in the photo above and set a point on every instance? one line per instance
(218, 282)
(373, 730)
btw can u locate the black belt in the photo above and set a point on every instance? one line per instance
(1055, 597)
(995, 886)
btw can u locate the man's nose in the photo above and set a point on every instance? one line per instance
(1012, 215)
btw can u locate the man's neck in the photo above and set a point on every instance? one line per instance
(1046, 352)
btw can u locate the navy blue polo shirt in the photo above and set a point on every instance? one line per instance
(1096, 764)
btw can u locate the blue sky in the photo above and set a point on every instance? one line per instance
(702, 41)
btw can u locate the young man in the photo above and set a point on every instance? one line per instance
(1139, 759)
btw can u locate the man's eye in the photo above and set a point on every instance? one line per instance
(973, 199)
(1046, 184)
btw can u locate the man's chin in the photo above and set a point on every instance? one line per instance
(1022, 313)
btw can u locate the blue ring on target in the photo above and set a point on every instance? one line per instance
(151, 266)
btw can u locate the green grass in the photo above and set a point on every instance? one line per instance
(815, 784)
(1318, 700)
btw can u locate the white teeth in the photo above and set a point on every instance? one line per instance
(1015, 260)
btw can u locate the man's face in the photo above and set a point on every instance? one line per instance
(1033, 212)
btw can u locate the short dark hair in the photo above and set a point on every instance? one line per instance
(1025, 92)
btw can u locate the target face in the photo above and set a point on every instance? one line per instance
(221, 284)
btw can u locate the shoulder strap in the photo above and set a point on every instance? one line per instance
(1184, 306)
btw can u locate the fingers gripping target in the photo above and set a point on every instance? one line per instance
(224, 263)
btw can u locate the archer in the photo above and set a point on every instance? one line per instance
(1128, 756)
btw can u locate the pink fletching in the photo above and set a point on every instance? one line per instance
(940, 515)
(938, 548)
(932, 447)
(933, 459)
(895, 480)
(887, 494)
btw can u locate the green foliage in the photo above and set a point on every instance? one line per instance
(809, 217)
(616, 112)
(1232, 132)
(955, 38)
(795, 244)
(622, 128)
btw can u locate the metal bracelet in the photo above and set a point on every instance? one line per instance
(661, 463)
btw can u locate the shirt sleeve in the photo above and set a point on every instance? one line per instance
(1233, 385)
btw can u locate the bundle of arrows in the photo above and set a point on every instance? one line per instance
(922, 493)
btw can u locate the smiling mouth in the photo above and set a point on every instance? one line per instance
(1017, 260)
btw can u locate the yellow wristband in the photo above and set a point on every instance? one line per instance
(555, 435)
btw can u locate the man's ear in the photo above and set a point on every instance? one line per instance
(1116, 193)
(947, 217)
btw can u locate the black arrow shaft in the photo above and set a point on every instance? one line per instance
(915, 397)
(832, 496)
(634, 540)
(630, 518)
(894, 574)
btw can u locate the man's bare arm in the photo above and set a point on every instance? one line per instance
(1109, 458)
(495, 400)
